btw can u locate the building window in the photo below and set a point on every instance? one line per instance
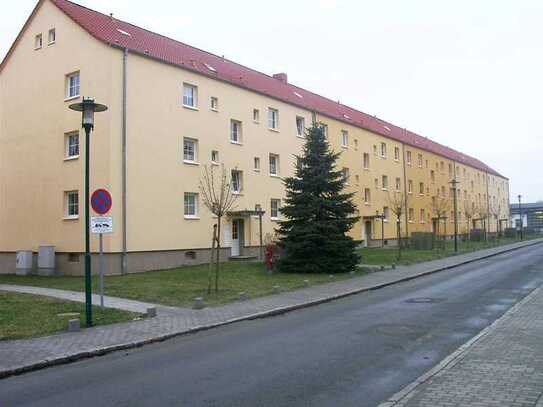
(344, 138)
(385, 213)
(443, 191)
(273, 119)
(191, 205)
(442, 166)
(274, 164)
(356, 144)
(421, 188)
(398, 184)
(275, 204)
(396, 153)
(38, 41)
(214, 103)
(366, 161)
(237, 178)
(256, 115)
(408, 157)
(420, 160)
(71, 204)
(214, 156)
(376, 181)
(411, 215)
(374, 149)
(410, 186)
(190, 95)
(383, 150)
(450, 170)
(367, 195)
(52, 36)
(189, 149)
(385, 182)
(345, 174)
(235, 131)
(324, 128)
(257, 163)
(72, 85)
(300, 126)
(422, 216)
(72, 145)
(432, 175)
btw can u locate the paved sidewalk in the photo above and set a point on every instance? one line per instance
(109, 302)
(502, 366)
(23, 355)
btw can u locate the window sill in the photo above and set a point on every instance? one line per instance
(67, 218)
(237, 143)
(384, 189)
(410, 221)
(274, 130)
(274, 176)
(256, 122)
(367, 203)
(72, 98)
(214, 163)
(384, 157)
(191, 217)
(300, 136)
(396, 161)
(274, 219)
(256, 170)
(74, 157)
(237, 193)
(366, 169)
(215, 110)
(189, 162)
(37, 48)
(190, 107)
(51, 43)
(345, 147)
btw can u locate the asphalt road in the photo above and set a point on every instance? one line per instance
(351, 352)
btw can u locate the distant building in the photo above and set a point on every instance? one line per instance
(532, 215)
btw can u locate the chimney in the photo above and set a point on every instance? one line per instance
(281, 77)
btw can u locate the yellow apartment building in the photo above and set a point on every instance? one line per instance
(174, 109)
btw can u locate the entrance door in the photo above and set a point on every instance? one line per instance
(237, 236)
(367, 232)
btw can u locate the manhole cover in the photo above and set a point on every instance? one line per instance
(423, 300)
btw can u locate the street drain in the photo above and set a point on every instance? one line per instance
(424, 300)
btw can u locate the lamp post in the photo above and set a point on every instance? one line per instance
(454, 182)
(382, 217)
(88, 108)
(520, 215)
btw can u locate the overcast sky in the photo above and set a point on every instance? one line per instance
(465, 73)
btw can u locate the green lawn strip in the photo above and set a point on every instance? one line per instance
(179, 287)
(389, 255)
(27, 316)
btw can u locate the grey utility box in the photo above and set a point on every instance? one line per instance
(23, 262)
(46, 260)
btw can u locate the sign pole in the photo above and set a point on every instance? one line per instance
(101, 270)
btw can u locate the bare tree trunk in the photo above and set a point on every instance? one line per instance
(399, 237)
(211, 260)
(218, 254)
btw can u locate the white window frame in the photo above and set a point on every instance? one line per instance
(396, 153)
(275, 166)
(256, 164)
(344, 138)
(386, 213)
(187, 99)
(192, 214)
(273, 119)
(420, 160)
(367, 196)
(186, 142)
(346, 175)
(38, 41)
(410, 186)
(384, 182)
(398, 184)
(70, 205)
(422, 216)
(236, 135)
(52, 33)
(215, 157)
(383, 150)
(366, 161)
(300, 126)
(256, 115)
(70, 89)
(214, 103)
(410, 215)
(275, 208)
(408, 157)
(236, 181)
(68, 152)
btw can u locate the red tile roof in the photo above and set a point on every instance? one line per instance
(138, 40)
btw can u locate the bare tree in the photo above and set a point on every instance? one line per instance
(483, 211)
(494, 212)
(397, 203)
(440, 208)
(215, 188)
(470, 214)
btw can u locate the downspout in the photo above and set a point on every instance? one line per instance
(124, 260)
(405, 192)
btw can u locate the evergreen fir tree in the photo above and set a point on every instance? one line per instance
(318, 213)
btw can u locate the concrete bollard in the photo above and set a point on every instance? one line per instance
(306, 283)
(243, 296)
(198, 303)
(276, 289)
(151, 312)
(382, 268)
(74, 325)
(393, 266)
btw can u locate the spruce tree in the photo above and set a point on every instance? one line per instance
(313, 238)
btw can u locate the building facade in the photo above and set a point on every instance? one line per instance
(531, 215)
(173, 110)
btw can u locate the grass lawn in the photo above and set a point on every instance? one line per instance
(26, 316)
(180, 286)
(389, 255)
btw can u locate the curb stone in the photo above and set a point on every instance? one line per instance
(258, 315)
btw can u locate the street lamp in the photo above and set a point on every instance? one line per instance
(454, 183)
(88, 108)
(520, 216)
(382, 217)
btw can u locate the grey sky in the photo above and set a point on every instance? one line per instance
(465, 73)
